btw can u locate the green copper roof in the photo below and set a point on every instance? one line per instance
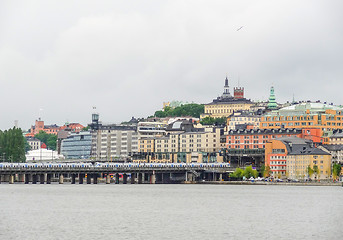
(272, 102)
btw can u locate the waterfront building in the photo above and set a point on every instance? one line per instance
(113, 141)
(226, 105)
(182, 143)
(305, 115)
(42, 154)
(77, 146)
(289, 157)
(34, 143)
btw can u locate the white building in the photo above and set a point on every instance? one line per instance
(42, 154)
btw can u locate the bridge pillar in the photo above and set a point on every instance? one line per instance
(21, 177)
(73, 177)
(133, 178)
(214, 176)
(124, 178)
(153, 178)
(117, 178)
(42, 178)
(140, 178)
(27, 178)
(61, 179)
(48, 178)
(95, 178)
(6, 178)
(81, 176)
(11, 180)
(89, 178)
(34, 178)
(108, 179)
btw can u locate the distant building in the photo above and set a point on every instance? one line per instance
(305, 115)
(39, 126)
(243, 118)
(226, 105)
(72, 127)
(77, 146)
(34, 143)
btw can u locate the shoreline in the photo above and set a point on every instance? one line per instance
(338, 184)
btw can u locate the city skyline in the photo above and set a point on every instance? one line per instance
(128, 58)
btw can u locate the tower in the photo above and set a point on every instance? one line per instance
(238, 92)
(226, 93)
(272, 102)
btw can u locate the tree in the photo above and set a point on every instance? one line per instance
(192, 109)
(49, 139)
(238, 173)
(249, 172)
(213, 121)
(336, 170)
(309, 171)
(267, 171)
(12, 145)
(316, 171)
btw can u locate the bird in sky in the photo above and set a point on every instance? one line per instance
(240, 28)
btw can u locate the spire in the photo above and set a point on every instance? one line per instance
(272, 102)
(226, 93)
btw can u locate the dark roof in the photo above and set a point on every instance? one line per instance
(180, 125)
(333, 147)
(300, 146)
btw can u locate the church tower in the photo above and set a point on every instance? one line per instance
(226, 93)
(272, 102)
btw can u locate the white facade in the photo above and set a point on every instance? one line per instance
(42, 154)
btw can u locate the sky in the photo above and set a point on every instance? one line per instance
(59, 59)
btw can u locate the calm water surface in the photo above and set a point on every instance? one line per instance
(170, 212)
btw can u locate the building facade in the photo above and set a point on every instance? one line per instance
(77, 146)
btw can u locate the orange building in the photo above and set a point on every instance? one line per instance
(289, 157)
(39, 126)
(255, 139)
(305, 115)
(73, 127)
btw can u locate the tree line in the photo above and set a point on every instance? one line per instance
(12, 145)
(192, 109)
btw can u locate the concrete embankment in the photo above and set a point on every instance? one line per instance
(338, 184)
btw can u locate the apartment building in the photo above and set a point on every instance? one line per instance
(182, 143)
(289, 157)
(305, 115)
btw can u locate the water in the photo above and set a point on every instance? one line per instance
(170, 212)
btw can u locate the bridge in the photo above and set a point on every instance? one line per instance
(115, 173)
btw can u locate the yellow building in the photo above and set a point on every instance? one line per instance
(289, 157)
(182, 143)
(226, 105)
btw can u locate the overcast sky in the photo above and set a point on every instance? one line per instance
(128, 57)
